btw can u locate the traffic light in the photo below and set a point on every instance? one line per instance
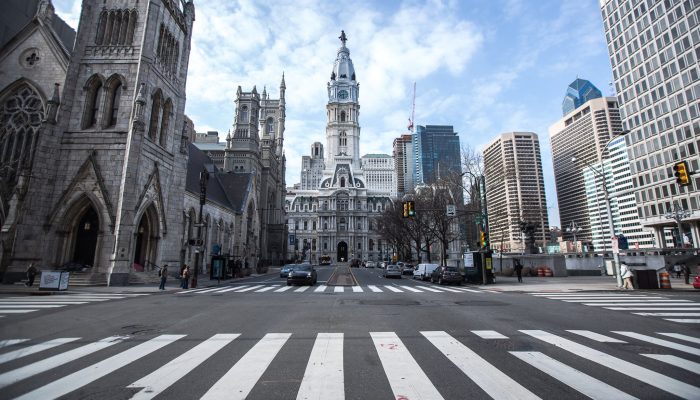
(484, 240)
(411, 209)
(681, 172)
(405, 209)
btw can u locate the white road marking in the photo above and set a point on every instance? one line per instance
(653, 308)
(13, 355)
(240, 379)
(265, 289)
(7, 311)
(660, 342)
(489, 335)
(684, 320)
(610, 299)
(338, 289)
(406, 378)
(15, 306)
(10, 342)
(250, 288)
(676, 362)
(586, 384)
(96, 371)
(597, 336)
(681, 337)
(451, 290)
(162, 378)
(374, 289)
(469, 290)
(46, 364)
(283, 289)
(8, 303)
(231, 289)
(431, 289)
(393, 289)
(324, 377)
(321, 288)
(209, 290)
(670, 314)
(357, 289)
(640, 304)
(632, 370)
(628, 301)
(302, 289)
(410, 289)
(490, 379)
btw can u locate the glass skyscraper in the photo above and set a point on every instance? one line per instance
(436, 153)
(578, 93)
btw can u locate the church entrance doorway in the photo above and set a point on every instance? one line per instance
(342, 252)
(146, 235)
(86, 237)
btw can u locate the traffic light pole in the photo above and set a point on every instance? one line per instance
(203, 180)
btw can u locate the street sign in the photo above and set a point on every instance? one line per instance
(451, 210)
(291, 239)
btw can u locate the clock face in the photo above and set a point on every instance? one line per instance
(343, 94)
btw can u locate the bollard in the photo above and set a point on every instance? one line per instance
(664, 280)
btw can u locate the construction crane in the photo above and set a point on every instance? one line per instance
(413, 110)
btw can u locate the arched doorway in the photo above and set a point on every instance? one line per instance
(146, 239)
(342, 252)
(86, 237)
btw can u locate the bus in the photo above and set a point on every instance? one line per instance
(325, 260)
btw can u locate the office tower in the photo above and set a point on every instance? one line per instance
(403, 156)
(436, 152)
(380, 173)
(583, 135)
(312, 167)
(515, 192)
(579, 92)
(653, 49)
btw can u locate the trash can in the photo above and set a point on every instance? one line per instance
(645, 279)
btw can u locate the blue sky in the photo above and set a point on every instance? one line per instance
(485, 67)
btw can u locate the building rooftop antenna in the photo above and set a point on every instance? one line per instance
(413, 110)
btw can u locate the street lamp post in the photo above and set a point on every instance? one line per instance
(203, 181)
(678, 214)
(574, 228)
(616, 256)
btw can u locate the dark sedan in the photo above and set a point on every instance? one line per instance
(442, 275)
(303, 274)
(284, 271)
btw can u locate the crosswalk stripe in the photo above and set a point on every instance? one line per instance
(676, 362)
(628, 301)
(83, 377)
(611, 299)
(248, 289)
(684, 320)
(410, 289)
(321, 288)
(597, 336)
(451, 290)
(209, 290)
(338, 289)
(188, 291)
(7, 303)
(654, 308)
(240, 379)
(374, 289)
(586, 384)
(639, 304)
(489, 335)
(490, 379)
(324, 377)
(632, 370)
(670, 314)
(16, 306)
(46, 364)
(231, 289)
(660, 342)
(283, 289)
(265, 289)
(162, 378)
(11, 342)
(469, 290)
(681, 337)
(431, 289)
(406, 378)
(7, 311)
(357, 289)
(393, 289)
(302, 289)
(13, 355)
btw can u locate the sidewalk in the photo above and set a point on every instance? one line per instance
(171, 285)
(573, 284)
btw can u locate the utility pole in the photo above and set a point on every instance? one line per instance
(203, 181)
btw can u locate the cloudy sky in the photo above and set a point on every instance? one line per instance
(485, 67)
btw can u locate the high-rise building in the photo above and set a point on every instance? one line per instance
(380, 173)
(403, 156)
(312, 168)
(515, 197)
(583, 135)
(653, 49)
(579, 92)
(436, 153)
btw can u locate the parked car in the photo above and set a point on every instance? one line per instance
(284, 271)
(423, 271)
(304, 274)
(370, 264)
(442, 275)
(392, 271)
(407, 269)
(382, 264)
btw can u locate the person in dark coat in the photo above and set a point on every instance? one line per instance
(31, 274)
(163, 276)
(519, 270)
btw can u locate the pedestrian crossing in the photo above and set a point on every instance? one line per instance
(321, 288)
(675, 310)
(28, 304)
(239, 364)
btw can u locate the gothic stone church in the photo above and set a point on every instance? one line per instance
(94, 143)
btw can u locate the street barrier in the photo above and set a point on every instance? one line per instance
(664, 280)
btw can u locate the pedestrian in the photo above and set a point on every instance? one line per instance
(184, 278)
(677, 270)
(686, 274)
(163, 273)
(31, 274)
(626, 275)
(519, 270)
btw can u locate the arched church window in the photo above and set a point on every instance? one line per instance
(92, 101)
(244, 114)
(99, 38)
(269, 126)
(114, 93)
(165, 122)
(155, 115)
(342, 182)
(20, 117)
(131, 27)
(114, 35)
(342, 116)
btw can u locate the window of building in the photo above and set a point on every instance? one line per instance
(92, 102)
(155, 115)
(165, 122)
(115, 93)
(269, 126)
(244, 114)
(342, 116)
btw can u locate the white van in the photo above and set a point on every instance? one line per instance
(423, 271)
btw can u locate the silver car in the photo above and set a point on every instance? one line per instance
(392, 271)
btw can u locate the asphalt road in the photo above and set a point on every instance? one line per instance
(381, 339)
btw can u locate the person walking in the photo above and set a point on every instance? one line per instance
(677, 270)
(626, 275)
(686, 274)
(184, 278)
(519, 270)
(31, 274)
(163, 273)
